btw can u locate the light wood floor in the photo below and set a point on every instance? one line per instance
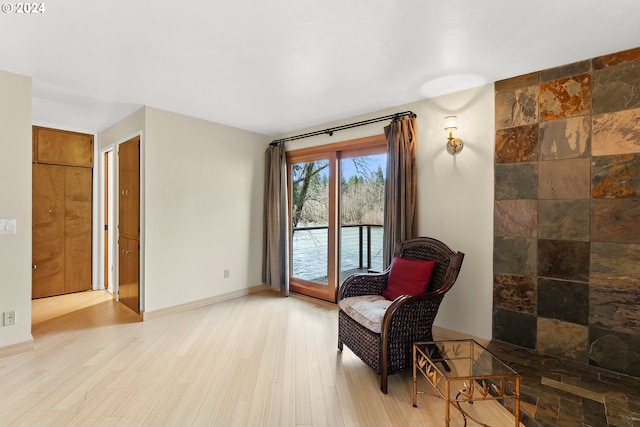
(260, 360)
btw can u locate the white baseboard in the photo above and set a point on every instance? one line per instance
(149, 315)
(12, 349)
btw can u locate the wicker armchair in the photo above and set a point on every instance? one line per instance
(408, 319)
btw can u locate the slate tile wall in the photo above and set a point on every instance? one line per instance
(567, 211)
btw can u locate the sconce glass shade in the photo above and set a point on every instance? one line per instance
(450, 123)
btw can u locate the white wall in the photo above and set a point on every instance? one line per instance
(455, 195)
(125, 128)
(203, 201)
(202, 186)
(15, 203)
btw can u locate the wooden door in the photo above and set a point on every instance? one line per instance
(129, 223)
(128, 273)
(78, 210)
(48, 230)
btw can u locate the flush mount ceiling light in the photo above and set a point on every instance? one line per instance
(454, 145)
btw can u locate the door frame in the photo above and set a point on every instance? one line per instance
(106, 216)
(334, 153)
(114, 208)
(297, 284)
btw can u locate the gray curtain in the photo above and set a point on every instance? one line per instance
(275, 253)
(400, 203)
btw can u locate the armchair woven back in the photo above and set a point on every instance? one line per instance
(447, 261)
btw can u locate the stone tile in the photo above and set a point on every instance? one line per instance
(515, 218)
(543, 388)
(515, 293)
(616, 133)
(587, 383)
(563, 259)
(519, 357)
(615, 307)
(594, 414)
(565, 138)
(615, 220)
(634, 407)
(562, 339)
(615, 351)
(565, 71)
(519, 82)
(569, 414)
(516, 181)
(515, 145)
(568, 97)
(514, 256)
(626, 384)
(616, 88)
(565, 179)
(617, 58)
(547, 411)
(615, 177)
(615, 264)
(518, 107)
(563, 219)
(564, 300)
(515, 328)
(617, 410)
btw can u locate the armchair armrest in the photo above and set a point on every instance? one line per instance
(407, 306)
(363, 284)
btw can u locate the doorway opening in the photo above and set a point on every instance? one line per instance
(107, 221)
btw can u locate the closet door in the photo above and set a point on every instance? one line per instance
(78, 229)
(48, 230)
(62, 212)
(129, 223)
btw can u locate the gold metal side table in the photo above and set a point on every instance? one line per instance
(464, 372)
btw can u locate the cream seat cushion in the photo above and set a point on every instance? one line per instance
(367, 310)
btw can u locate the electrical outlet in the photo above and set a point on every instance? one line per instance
(9, 318)
(226, 274)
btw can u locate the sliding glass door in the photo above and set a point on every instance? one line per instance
(362, 179)
(336, 211)
(310, 220)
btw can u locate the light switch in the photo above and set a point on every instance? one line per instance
(7, 226)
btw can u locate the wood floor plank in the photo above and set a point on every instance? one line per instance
(259, 360)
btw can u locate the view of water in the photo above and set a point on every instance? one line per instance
(310, 251)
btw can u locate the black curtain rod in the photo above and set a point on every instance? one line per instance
(330, 131)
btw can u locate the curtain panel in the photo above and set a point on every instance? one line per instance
(275, 253)
(400, 204)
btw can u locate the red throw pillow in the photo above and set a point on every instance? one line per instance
(408, 276)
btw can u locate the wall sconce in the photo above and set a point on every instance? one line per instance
(454, 145)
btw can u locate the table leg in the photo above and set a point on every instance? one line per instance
(517, 405)
(415, 382)
(447, 402)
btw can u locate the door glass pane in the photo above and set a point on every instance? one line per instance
(361, 213)
(310, 221)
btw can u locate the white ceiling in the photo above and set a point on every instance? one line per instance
(273, 66)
